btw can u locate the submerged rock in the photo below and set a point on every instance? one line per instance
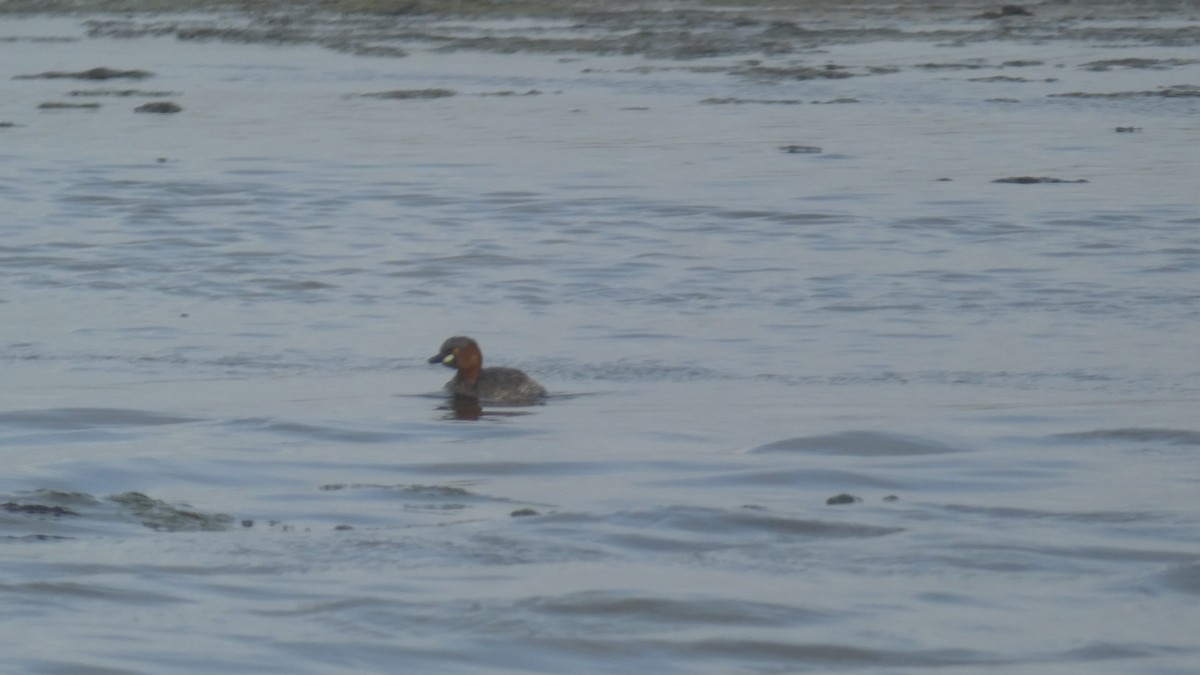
(828, 72)
(59, 105)
(158, 107)
(801, 149)
(1134, 62)
(1172, 91)
(1007, 11)
(93, 74)
(121, 92)
(509, 92)
(37, 509)
(740, 101)
(159, 515)
(1030, 180)
(411, 93)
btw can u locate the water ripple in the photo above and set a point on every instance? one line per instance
(858, 444)
(72, 419)
(1143, 435)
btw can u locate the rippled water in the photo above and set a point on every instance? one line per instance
(225, 451)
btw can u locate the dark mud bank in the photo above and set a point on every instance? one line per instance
(655, 30)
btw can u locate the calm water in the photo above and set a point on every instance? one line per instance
(224, 451)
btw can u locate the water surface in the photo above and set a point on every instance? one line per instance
(225, 451)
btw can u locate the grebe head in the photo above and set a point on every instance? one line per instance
(462, 354)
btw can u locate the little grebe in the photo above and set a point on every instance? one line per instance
(496, 385)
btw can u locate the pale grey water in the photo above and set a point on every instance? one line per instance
(733, 333)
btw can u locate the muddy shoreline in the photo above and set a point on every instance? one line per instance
(652, 29)
(822, 9)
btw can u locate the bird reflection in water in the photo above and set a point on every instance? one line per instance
(471, 410)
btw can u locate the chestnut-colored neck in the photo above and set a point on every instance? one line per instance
(468, 361)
